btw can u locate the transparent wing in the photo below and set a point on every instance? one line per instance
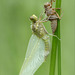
(34, 56)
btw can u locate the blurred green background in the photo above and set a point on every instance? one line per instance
(15, 33)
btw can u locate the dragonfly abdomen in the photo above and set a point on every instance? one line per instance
(47, 44)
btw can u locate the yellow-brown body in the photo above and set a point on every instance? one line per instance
(39, 30)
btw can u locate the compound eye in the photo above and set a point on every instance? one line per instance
(33, 18)
(46, 5)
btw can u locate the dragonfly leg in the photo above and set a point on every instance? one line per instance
(52, 2)
(56, 12)
(55, 36)
(58, 16)
(41, 15)
(43, 21)
(56, 8)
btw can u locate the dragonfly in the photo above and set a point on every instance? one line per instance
(52, 15)
(38, 47)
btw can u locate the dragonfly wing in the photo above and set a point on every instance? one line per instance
(34, 56)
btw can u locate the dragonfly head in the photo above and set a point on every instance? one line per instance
(33, 18)
(46, 5)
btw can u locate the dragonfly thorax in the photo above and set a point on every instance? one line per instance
(38, 29)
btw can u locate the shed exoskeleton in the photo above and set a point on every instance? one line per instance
(52, 15)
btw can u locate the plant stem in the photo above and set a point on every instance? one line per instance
(56, 43)
(53, 55)
(58, 5)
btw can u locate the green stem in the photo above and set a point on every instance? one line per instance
(53, 55)
(58, 5)
(56, 43)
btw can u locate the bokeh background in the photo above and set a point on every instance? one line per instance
(15, 33)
